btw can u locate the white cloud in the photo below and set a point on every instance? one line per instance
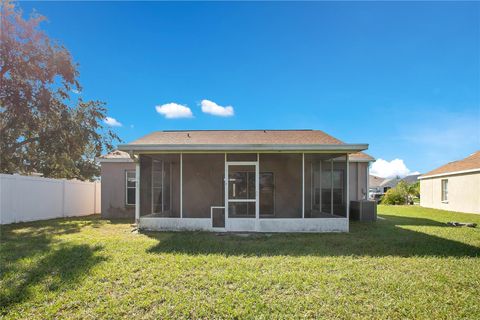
(112, 122)
(216, 110)
(76, 91)
(174, 110)
(390, 169)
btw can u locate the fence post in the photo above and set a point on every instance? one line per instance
(63, 198)
(94, 197)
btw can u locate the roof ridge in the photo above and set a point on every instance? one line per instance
(207, 130)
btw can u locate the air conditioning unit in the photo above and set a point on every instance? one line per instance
(363, 210)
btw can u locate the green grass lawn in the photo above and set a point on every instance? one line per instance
(409, 265)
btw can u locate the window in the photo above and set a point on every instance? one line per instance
(444, 190)
(130, 182)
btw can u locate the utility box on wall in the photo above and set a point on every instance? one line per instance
(363, 210)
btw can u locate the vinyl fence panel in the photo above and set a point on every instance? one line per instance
(27, 198)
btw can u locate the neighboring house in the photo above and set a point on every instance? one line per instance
(375, 192)
(454, 186)
(277, 180)
(118, 185)
(379, 186)
(374, 183)
(392, 182)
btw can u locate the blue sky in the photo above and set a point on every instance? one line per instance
(403, 77)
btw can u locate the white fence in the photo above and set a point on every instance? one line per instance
(27, 198)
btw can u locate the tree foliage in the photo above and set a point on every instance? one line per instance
(42, 128)
(403, 193)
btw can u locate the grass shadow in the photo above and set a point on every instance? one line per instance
(31, 254)
(59, 269)
(389, 237)
(20, 240)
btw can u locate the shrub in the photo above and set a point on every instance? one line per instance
(403, 193)
(394, 196)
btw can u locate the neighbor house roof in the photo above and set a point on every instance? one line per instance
(374, 181)
(243, 140)
(115, 156)
(392, 182)
(469, 164)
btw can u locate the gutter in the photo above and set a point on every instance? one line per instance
(452, 173)
(340, 148)
(122, 160)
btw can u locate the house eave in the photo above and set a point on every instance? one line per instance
(314, 148)
(446, 174)
(121, 160)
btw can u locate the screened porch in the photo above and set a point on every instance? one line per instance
(189, 190)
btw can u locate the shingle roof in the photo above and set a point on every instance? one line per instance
(115, 154)
(361, 156)
(374, 181)
(469, 163)
(237, 139)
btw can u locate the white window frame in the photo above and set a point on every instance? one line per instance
(127, 187)
(444, 190)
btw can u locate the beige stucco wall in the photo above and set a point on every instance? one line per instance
(463, 193)
(113, 190)
(358, 180)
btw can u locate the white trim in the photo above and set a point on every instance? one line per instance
(228, 221)
(225, 181)
(303, 185)
(257, 191)
(137, 191)
(181, 185)
(340, 148)
(246, 224)
(127, 187)
(348, 186)
(449, 173)
(367, 191)
(444, 190)
(353, 159)
(211, 218)
(242, 163)
(114, 160)
(331, 187)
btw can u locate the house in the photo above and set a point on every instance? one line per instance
(374, 190)
(454, 186)
(277, 180)
(392, 182)
(379, 186)
(118, 185)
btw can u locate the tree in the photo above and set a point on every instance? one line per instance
(394, 196)
(403, 193)
(42, 129)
